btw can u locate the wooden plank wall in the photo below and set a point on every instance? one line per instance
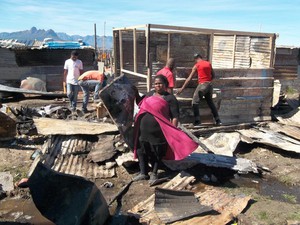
(241, 95)
(244, 84)
(51, 74)
(287, 61)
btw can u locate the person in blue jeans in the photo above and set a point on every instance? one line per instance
(73, 68)
(87, 80)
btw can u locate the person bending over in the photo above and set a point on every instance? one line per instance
(92, 78)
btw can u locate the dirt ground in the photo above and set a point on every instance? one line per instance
(275, 195)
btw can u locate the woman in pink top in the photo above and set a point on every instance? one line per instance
(156, 132)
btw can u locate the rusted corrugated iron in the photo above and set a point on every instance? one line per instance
(67, 154)
(76, 165)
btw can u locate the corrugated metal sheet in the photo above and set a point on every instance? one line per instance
(242, 52)
(228, 206)
(76, 165)
(223, 51)
(260, 52)
(67, 154)
(271, 138)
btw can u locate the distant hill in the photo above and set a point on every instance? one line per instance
(28, 37)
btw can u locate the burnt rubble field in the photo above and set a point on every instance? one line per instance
(64, 167)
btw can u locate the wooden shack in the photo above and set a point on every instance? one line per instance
(243, 62)
(287, 68)
(46, 64)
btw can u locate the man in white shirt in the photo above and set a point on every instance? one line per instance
(73, 68)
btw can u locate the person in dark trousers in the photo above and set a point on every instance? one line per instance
(156, 132)
(204, 89)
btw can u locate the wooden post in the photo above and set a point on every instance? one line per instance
(115, 54)
(148, 63)
(233, 50)
(134, 51)
(121, 49)
(211, 47)
(272, 49)
(169, 46)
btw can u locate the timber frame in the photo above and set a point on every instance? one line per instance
(149, 28)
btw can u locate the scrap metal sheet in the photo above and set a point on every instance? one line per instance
(291, 131)
(145, 209)
(227, 205)
(25, 91)
(268, 137)
(222, 143)
(102, 150)
(66, 154)
(118, 98)
(66, 199)
(171, 205)
(292, 118)
(240, 165)
(47, 126)
(79, 166)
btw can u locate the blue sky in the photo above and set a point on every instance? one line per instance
(78, 17)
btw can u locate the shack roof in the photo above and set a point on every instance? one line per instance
(195, 29)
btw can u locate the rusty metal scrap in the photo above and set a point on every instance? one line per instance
(227, 205)
(76, 165)
(171, 205)
(103, 150)
(67, 154)
(118, 98)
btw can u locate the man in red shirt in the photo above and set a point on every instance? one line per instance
(204, 89)
(167, 71)
(92, 78)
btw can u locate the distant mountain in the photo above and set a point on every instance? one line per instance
(28, 37)
(89, 39)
